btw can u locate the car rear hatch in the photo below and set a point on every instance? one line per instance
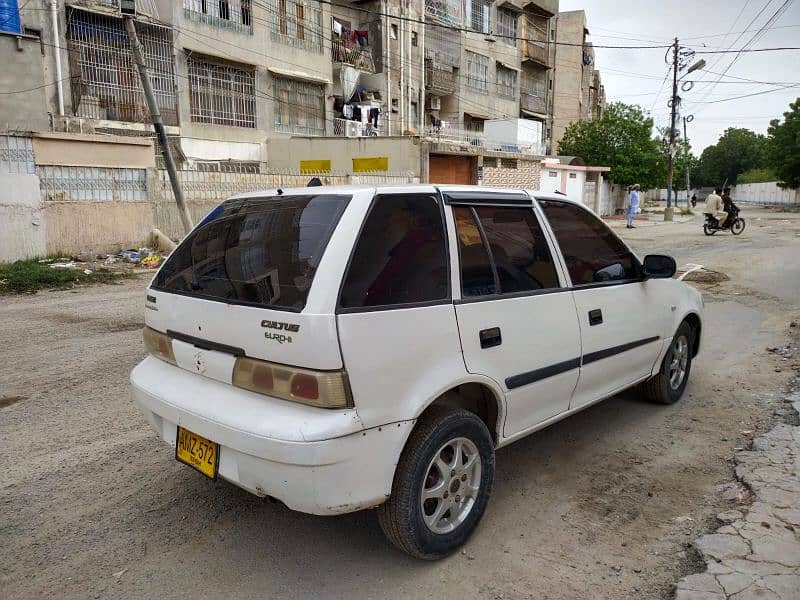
(238, 285)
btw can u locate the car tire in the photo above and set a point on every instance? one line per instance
(434, 527)
(668, 385)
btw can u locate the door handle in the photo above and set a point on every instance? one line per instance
(595, 316)
(490, 337)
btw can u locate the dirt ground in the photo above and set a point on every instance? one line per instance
(601, 505)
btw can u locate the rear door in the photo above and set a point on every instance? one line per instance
(396, 321)
(621, 316)
(516, 321)
(241, 284)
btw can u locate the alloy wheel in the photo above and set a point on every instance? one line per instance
(451, 486)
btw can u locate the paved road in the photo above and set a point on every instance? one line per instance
(600, 505)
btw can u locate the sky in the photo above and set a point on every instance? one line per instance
(636, 76)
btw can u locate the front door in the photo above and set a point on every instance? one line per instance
(516, 324)
(621, 319)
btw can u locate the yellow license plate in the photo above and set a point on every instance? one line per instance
(198, 452)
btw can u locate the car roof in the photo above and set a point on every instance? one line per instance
(401, 189)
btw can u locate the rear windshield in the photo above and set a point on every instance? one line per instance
(262, 251)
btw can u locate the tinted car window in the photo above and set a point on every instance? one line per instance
(401, 255)
(262, 251)
(591, 250)
(518, 248)
(477, 278)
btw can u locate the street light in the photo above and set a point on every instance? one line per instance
(698, 65)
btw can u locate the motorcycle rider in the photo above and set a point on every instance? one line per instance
(729, 207)
(714, 207)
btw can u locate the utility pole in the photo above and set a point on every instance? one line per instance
(674, 107)
(686, 145)
(158, 124)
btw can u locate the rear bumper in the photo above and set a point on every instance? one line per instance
(341, 474)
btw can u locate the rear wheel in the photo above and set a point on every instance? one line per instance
(442, 484)
(708, 230)
(737, 226)
(668, 385)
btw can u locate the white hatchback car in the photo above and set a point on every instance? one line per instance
(340, 348)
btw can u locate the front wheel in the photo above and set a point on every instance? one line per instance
(737, 226)
(441, 486)
(708, 230)
(668, 385)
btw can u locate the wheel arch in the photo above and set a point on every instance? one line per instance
(477, 395)
(694, 321)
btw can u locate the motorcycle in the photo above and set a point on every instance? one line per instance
(712, 224)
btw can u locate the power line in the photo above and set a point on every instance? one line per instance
(785, 87)
(746, 47)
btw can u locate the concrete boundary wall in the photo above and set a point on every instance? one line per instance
(766, 193)
(48, 206)
(22, 220)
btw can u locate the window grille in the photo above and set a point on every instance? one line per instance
(446, 11)
(479, 15)
(221, 93)
(442, 46)
(299, 107)
(477, 72)
(296, 23)
(507, 26)
(228, 166)
(506, 81)
(509, 163)
(233, 14)
(104, 80)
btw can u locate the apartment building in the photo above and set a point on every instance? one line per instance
(489, 60)
(579, 93)
(227, 74)
(231, 74)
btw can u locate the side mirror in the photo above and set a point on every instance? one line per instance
(659, 266)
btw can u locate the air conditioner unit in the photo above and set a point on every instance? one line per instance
(434, 103)
(352, 128)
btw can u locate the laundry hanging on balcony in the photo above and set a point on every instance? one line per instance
(348, 77)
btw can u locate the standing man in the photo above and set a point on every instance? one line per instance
(714, 207)
(633, 205)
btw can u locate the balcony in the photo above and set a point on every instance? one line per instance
(348, 52)
(533, 102)
(466, 136)
(347, 128)
(537, 52)
(440, 82)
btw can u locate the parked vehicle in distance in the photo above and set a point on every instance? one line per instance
(342, 348)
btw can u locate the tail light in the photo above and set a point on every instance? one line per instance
(159, 345)
(324, 389)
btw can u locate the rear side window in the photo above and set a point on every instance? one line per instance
(262, 251)
(477, 275)
(518, 258)
(519, 249)
(400, 256)
(591, 250)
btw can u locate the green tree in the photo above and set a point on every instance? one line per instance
(621, 139)
(737, 151)
(784, 147)
(757, 176)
